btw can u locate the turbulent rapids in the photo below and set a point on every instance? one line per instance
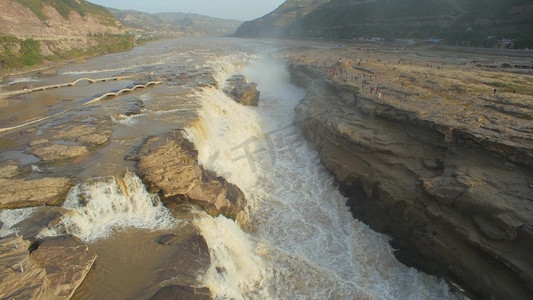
(301, 241)
(304, 243)
(95, 208)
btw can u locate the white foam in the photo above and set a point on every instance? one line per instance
(35, 168)
(11, 217)
(23, 80)
(126, 120)
(304, 240)
(224, 67)
(109, 70)
(107, 204)
(235, 267)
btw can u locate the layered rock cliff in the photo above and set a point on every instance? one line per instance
(456, 203)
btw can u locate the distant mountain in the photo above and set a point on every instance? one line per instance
(278, 22)
(174, 24)
(458, 22)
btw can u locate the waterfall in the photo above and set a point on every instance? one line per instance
(98, 207)
(303, 242)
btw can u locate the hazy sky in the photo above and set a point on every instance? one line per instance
(243, 10)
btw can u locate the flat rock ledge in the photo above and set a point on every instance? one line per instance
(169, 167)
(67, 262)
(69, 141)
(455, 208)
(52, 271)
(241, 91)
(22, 277)
(20, 193)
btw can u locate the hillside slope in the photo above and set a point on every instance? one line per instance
(278, 22)
(468, 22)
(174, 24)
(33, 30)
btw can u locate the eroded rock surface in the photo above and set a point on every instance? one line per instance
(190, 261)
(67, 262)
(68, 141)
(18, 193)
(458, 204)
(21, 277)
(169, 167)
(52, 271)
(241, 91)
(9, 169)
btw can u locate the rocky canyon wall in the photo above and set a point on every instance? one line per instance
(454, 206)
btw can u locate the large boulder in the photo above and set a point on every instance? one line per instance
(169, 167)
(241, 91)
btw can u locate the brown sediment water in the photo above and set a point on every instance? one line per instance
(126, 266)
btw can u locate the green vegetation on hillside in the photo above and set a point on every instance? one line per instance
(24, 51)
(29, 53)
(64, 7)
(29, 50)
(480, 23)
(111, 44)
(9, 58)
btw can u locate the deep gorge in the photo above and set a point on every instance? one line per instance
(453, 207)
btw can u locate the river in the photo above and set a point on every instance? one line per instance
(302, 242)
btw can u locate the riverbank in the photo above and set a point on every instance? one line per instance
(433, 147)
(45, 65)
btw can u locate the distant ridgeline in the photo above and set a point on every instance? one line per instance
(162, 25)
(479, 23)
(34, 31)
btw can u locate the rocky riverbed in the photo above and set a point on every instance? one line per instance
(79, 147)
(434, 148)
